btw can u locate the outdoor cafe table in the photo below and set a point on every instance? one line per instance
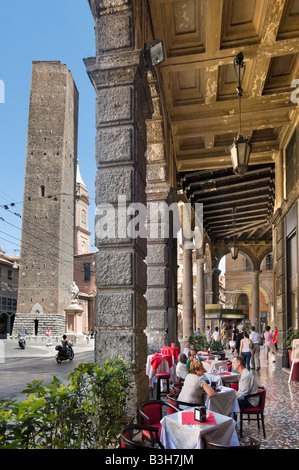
(165, 364)
(208, 356)
(181, 431)
(224, 402)
(172, 351)
(210, 365)
(223, 378)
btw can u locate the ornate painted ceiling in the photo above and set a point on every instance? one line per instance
(201, 38)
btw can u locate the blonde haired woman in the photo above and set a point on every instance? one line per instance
(195, 385)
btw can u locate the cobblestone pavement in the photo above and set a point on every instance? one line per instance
(281, 410)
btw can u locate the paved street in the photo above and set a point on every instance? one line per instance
(19, 367)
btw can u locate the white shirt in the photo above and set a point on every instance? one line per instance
(181, 370)
(255, 337)
(245, 345)
(215, 335)
(192, 389)
(208, 335)
(248, 385)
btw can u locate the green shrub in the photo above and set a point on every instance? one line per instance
(216, 345)
(87, 413)
(198, 342)
(290, 335)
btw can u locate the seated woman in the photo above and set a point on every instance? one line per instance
(195, 385)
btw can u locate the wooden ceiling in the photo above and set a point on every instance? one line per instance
(201, 38)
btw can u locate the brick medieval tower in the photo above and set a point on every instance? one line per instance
(47, 247)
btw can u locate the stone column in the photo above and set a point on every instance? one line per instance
(160, 246)
(216, 273)
(200, 294)
(123, 104)
(256, 299)
(209, 286)
(187, 291)
(280, 288)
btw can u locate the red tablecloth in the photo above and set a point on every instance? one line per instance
(171, 351)
(188, 418)
(157, 358)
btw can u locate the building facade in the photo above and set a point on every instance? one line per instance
(84, 260)
(9, 279)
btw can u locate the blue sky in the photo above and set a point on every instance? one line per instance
(40, 30)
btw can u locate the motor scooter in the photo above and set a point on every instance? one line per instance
(22, 342)
(64, 354)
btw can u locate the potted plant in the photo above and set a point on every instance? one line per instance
(290, 335)
(198, 342)
(217, 346)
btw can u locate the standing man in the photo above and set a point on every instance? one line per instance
(255, 357)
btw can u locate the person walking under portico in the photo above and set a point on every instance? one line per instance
(255, 337)
(246, 349)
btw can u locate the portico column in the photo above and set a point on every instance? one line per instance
(216, 273)
(256, 299)
(161, 248)
(123, 104)
(200, 294)
(209, 286)
(187, 291)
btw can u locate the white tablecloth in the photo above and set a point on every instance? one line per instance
(209, 365)
(222, 379)
(175, 435)
(224, 402)
(163, 367)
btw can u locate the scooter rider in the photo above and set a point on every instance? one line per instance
(65, 345)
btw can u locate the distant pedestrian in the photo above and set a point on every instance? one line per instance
(275, 338)
(256, 340)
(216, 335)
(269, 343)
(233, 340)
(246, 349)
(208, 334)
(239, 338)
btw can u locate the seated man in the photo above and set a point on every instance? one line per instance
(247, 383)
(181, 370)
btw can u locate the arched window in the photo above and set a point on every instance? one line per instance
(83, 216)
(269, 263)
(247, 264)
(243, 302)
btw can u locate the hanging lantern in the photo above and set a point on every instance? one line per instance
(241, 147)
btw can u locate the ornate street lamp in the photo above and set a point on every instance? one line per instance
(234, 249)
(241, 147)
